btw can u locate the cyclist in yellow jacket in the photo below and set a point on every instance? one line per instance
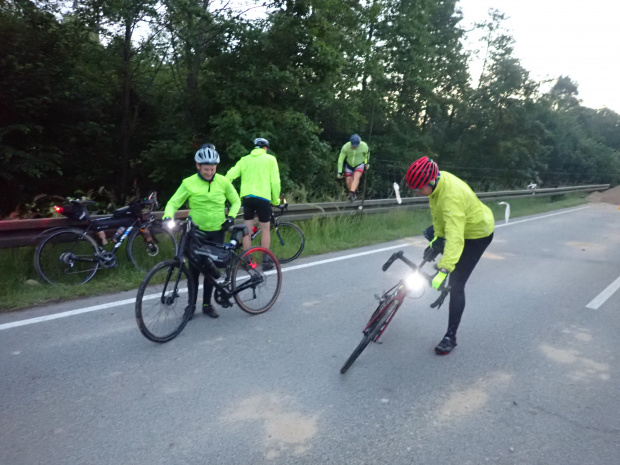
(260, 188)
(207, 193)
(462, 230)
(354, 160)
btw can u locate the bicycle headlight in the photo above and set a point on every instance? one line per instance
(415, 282)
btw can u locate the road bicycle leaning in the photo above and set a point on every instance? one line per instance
(287, 239)
(162, 304)
(72, 255)
(390, 302)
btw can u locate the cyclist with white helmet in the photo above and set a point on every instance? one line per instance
(462, 230)
(206, 193)
(260, 188)
(354, 159)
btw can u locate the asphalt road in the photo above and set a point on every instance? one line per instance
(534, 379)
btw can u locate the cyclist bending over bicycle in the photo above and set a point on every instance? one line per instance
(207, 193)
(462, 230)
(260, 187)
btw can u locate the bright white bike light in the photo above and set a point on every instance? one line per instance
(415, 282)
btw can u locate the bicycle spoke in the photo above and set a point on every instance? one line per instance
(256, 289)
(161, 308)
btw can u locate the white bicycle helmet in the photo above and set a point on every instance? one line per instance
(207, 156)
(260, 142)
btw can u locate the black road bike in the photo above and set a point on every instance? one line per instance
(287, 239)
(252, 278)
(72, 255)
(390, 302)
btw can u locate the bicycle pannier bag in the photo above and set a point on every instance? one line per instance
(75, 212)
(133, 210)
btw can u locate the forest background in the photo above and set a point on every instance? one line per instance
(111, 98)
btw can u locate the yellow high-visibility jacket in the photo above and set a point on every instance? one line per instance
(457, 215)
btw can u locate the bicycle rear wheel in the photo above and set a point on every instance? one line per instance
(377, 321)
(67, 257)
(162, 303)
(256, 288)
(145, 254)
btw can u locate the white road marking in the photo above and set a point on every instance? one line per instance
(603, 296)
(120, 303)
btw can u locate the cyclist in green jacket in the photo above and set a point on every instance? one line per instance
(462, 230)
(207, 193)
(260, 188)
(354, 159)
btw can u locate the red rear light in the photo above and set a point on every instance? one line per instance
(58, 209)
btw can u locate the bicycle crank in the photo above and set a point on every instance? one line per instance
(222, 298)
(107, 259)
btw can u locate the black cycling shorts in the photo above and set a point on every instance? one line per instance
(255, 206)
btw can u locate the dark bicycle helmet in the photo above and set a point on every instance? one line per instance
(207, 155)
(260, 142)
(421, 173)
(355, 140)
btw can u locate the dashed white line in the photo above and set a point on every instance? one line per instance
(603, 296)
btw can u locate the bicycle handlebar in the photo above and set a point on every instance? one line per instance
(400, 255)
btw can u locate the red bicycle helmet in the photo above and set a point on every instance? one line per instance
(421, 173)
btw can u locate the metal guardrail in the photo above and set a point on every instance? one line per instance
(19, 233)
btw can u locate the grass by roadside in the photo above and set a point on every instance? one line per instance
(322, 235)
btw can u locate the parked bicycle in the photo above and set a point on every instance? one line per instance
(287, 239)
(163, 301)
(390, 302)
(72, 255)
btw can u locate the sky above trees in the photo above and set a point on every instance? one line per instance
(568, 38)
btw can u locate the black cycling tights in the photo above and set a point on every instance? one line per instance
(213, 236)
(472, 251)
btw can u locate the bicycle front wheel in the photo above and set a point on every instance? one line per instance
(163, 301)
(67, 257)
(146, 249)
(256, 280)
(376, 324)
(287, 241)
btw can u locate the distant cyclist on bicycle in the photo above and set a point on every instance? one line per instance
(207, 193)
(354, 159)
(260, 188)
(462, 229)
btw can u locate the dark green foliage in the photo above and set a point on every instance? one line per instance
(121, 94)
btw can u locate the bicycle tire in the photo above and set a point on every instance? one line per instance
(165, 317)
(287, 241)
(143, 254)
(55, 257)
(373, 329)
(263, 293)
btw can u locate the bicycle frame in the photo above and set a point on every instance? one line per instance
(274, 221)
(402, 290)
(224, 287)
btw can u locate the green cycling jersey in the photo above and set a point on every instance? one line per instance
(354, 157)
(207, 201)
(260, 176)
(457, 215)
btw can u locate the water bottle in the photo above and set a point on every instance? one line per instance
(119, 232)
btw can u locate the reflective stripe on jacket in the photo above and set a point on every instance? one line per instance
(207, 201)
(458, 215)
(353, 157)
(260, 176)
